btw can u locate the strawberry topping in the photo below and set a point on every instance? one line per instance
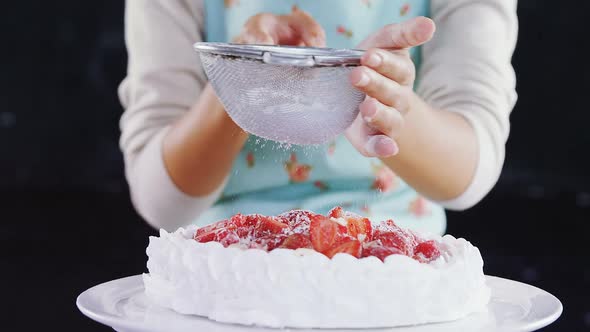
(337, 232)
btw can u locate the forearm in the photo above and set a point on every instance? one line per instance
(438, 152)
(200, 148)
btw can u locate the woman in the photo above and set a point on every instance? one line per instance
(188, 162)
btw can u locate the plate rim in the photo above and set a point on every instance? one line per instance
(546, 321)
(107, 318)
(112, 321)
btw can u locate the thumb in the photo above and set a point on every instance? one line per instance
(414, 32)
(369, 142)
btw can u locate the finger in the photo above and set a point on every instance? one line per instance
(411, 33)
(369, 142)
(394, 65)
(255, 38)
(262, 28)
(381, 146)
(382, 118)
(297, 28)
(306, 28)
(380, 87)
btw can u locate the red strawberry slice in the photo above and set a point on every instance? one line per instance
(227, 237)
(322, 232)
(379, 251)
(359, 228)
(356, 225)
(211, 227)
(296, 241)
(387, 226)
(269, 226)
(325, 233)
(399, 240)
(242, 225)
(336, 212)
(245, 224)
(276, 241)
(208, 233)
(427, 251)
(298, 220)
(223, 235)
(352, 247)
(237, 220)
(205, 237)
(251, 220)
(393, 236)
(244, 232)
(269, 242)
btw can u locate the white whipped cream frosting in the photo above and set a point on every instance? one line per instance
(305, 289)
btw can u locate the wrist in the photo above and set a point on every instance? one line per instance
(216, 113)
(205, 141)
(416, 137)
(438, 152)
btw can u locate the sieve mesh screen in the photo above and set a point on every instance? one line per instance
(297, 105)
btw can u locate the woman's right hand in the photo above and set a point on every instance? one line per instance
(296, 29)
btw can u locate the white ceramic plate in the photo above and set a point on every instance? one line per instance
(122, 305)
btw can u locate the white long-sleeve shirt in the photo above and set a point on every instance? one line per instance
(466, 68)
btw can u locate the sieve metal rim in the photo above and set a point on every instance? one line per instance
(285, 55)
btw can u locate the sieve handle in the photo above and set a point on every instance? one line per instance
(288, 59)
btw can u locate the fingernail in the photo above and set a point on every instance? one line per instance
(363, 80)
(370, 146)
(422, 29)
(374, 60)
(390, 148)
(381, 146)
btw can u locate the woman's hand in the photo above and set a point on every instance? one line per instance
(437, 152)
(297, 29)
(387, 76)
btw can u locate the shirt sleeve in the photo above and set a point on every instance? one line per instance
(467, 69)
(164, 79)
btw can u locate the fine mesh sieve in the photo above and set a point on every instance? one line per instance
(297, 95)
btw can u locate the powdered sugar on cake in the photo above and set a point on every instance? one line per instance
(424, 280)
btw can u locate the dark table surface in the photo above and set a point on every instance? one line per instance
(57, 244)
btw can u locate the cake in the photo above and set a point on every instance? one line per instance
(306, 270)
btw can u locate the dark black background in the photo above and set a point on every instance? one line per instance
(67, 223)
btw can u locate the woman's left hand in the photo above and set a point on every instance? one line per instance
(387, 76)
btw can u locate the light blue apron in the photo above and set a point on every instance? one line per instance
(268, 178)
